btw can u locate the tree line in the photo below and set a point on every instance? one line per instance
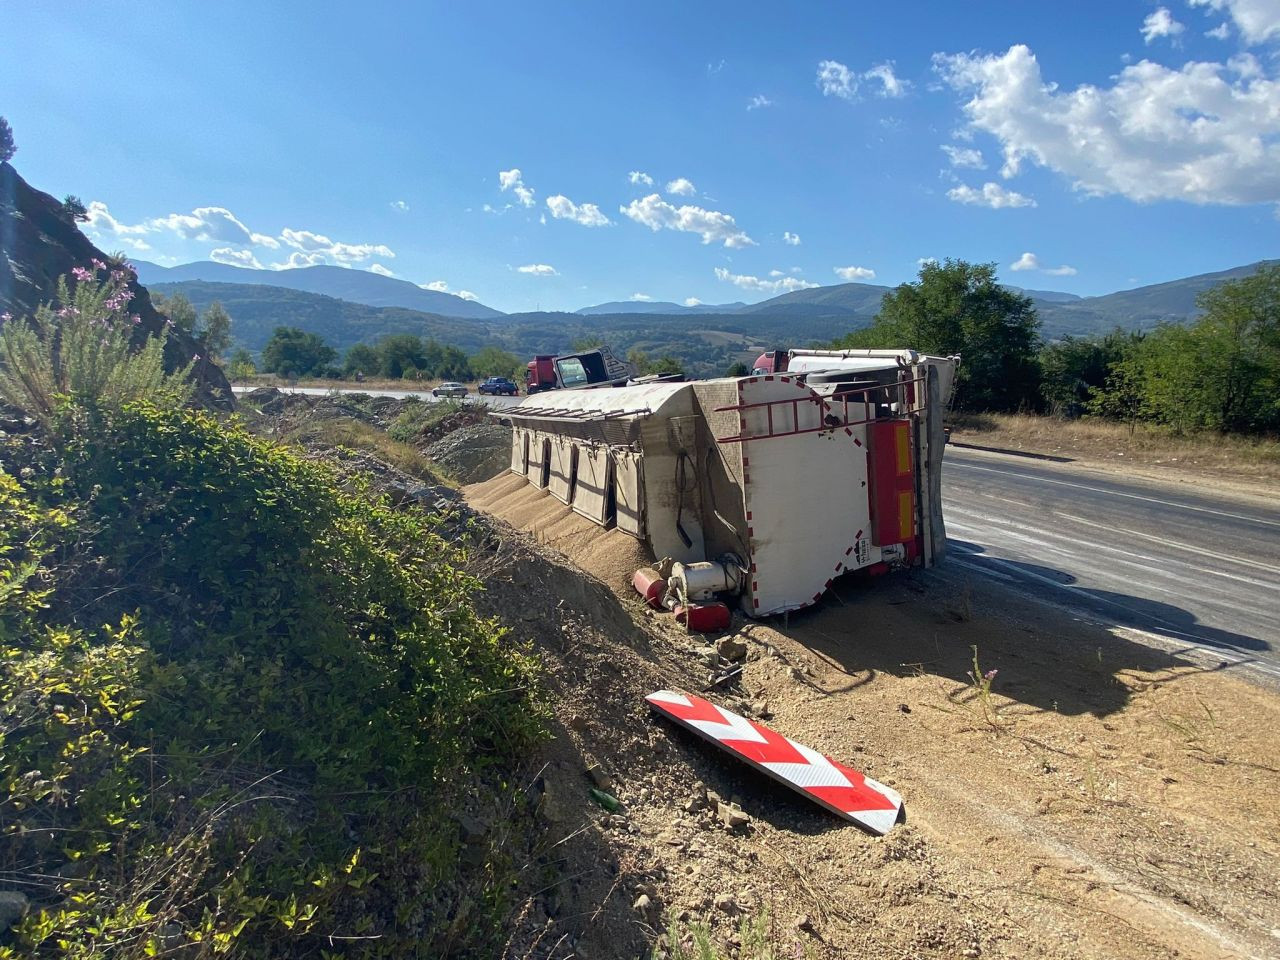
(293, 352)
(1219, 372)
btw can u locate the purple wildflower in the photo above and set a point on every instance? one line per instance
(81, 274)
(990, 675)
(98, 264)
(6, 317)
(195, 356)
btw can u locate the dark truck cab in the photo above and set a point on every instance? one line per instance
(576, 371)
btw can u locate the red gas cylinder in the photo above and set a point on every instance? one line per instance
(705, 617)
(650, 585)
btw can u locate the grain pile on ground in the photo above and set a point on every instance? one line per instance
(1102, 799)
(609, 555)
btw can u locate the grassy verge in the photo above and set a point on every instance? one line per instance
(241, 705)
(1247, 459)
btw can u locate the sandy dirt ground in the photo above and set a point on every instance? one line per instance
(1105, 799)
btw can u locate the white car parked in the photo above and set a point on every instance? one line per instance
(449, 389)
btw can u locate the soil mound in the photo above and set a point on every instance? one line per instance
(473, 453)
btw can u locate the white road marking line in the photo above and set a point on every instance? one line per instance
(1092, 546)
(1171, 543)
(1115, 493)
(1087, 592)
(1199, 649)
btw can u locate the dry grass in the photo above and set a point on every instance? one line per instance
(1253, 460)
(355, 435)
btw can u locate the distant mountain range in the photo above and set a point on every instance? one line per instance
(342, 283)
(351, 306)
(658, 306)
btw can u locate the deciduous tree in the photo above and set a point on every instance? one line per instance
(960, 308)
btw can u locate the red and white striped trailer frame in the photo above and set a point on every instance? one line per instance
(828, 783)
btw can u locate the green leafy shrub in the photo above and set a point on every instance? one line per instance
(261, 751)
(82, 347)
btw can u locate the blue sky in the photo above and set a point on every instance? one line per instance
(1096, 146)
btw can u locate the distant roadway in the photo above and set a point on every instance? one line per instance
(394, 394)
(1201, 570)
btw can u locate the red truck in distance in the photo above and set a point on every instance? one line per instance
(576, 371)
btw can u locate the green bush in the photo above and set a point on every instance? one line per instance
(261, 751)
(82, 347)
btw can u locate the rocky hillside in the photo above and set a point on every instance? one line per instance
(39, 244)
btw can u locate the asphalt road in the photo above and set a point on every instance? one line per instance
(1200, 571)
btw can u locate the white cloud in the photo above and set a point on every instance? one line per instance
(513, 180)
(1206, 133)
(1257, 20)
(1159, 23)
(1029, 261)
(299, 259)
(439, 286)
(1220, 32)
(343, 253)
(837, 80)
(219, 225)
(991, 195)
(641, 296)
(587, 214)
(538, 270)
(639, 177)
(235, 258)
(758, 101)
(890, 85)
(215, 224)
(785, 285)
(966, 157)
(681, 187)
(855, 273)
(925, 260)
(101, 221)
(791, 239)
(713, 226)
(380, 270)
(400, 205)
(692, 302)
(212, 223)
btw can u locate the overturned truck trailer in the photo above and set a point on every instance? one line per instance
(783, 482)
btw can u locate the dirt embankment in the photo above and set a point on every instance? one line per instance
(1103, 800)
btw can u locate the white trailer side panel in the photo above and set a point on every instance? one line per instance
(805, 493)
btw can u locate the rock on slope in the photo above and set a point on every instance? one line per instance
(39, 244)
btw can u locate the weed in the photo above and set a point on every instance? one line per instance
(980, 683)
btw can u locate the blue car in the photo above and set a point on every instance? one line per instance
(498, 387)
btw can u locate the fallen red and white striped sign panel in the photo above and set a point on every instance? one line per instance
(827, 782)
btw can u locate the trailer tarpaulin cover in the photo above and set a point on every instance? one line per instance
(628, 483)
